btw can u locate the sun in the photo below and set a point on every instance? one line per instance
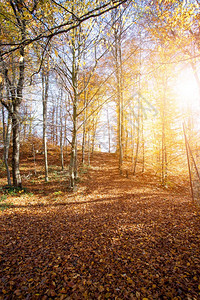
(187, 90)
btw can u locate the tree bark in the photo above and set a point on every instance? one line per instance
(16, 147)
(89, 148)
(45, 87)
(84, 125)
(138, 137)
(109, 131)
(6, 139)
(61, 132)
(119, 82)
(73, 158)
(15, 89)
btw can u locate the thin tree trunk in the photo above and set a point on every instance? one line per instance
(119, 103)
(34, 158)
(121, 94)
(73, 166)
(65, 132)
(61, 153)
(188, 161)
(16, 147)
(95, 122)
(61, 134)
(132, 138)
(6, 139)
(142, 140)
(88, 148)
(73, 159)
(109, 133)
(139, 110)
(163, 154)
(126, 144)
(164, 148)
(45, 87)
(138, 137)
(84, 126)
(53, 125)
(56, 122)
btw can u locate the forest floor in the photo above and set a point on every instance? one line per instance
(113, 238)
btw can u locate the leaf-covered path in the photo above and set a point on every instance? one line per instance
(115, 238)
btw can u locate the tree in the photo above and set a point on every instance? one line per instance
(45, 88)
(17, 15)
(6, 133)
(70, 21)
(15, 84)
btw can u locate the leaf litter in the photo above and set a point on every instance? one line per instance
(119, 238)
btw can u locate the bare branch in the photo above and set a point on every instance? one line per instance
(60, 29)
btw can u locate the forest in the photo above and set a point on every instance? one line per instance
(100, 149)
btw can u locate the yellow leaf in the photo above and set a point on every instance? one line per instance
(154, 286)
(129, 280)
(195, 277)
(56, 52)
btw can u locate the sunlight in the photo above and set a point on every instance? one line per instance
(186, 89)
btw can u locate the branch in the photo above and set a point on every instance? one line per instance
(57, 30)
(64, 8)
(41, 62)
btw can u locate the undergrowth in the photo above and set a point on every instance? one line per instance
(4, 205)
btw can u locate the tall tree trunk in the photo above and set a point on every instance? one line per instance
(65, 132)
(45, 87)
(109, 132)
(15, 88)
(34, 158)
(73, 158)
(126, 143)
(95, 122)
(16, 101)
(132, 138)
(56, 122)
(142, 139)
(119, 103)
(16, 147)
(61, 132)
(61, 152)
(164, 154)
(138, 137)
(84, 125)
(88, 148)
(6, 140)
(164, 147)
(76, 54)
(53, 125)
(117, 26)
